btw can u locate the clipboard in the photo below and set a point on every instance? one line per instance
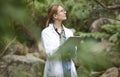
(68, 48)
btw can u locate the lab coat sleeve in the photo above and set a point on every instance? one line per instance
(48, 44)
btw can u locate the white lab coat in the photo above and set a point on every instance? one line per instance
(51, 42)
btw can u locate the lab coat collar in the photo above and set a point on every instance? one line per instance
(52, 26)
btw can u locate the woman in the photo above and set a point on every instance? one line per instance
(53, 36)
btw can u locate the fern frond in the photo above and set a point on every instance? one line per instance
(95, 35)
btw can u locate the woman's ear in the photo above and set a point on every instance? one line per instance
(55, 16)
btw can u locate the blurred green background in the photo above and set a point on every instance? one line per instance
(23, 21)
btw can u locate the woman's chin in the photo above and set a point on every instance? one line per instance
(65, 18)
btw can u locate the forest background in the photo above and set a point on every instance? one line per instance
(97, 21)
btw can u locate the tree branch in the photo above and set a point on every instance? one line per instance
(101, 4)
(107, 7)
(7, 47)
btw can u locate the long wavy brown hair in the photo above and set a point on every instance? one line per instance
(51, 11)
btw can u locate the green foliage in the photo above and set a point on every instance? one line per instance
(80, 10)
(93, 60)
(55, 2)
(77, 11)
(16, 14)
(114, 32)
(31, 15)
(27, 71)
(118, 20)
(20, 73)
(39, 6)
(111, 28)
(9, 12)
(95, 35)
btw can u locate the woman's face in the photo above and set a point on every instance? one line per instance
(61, 14)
